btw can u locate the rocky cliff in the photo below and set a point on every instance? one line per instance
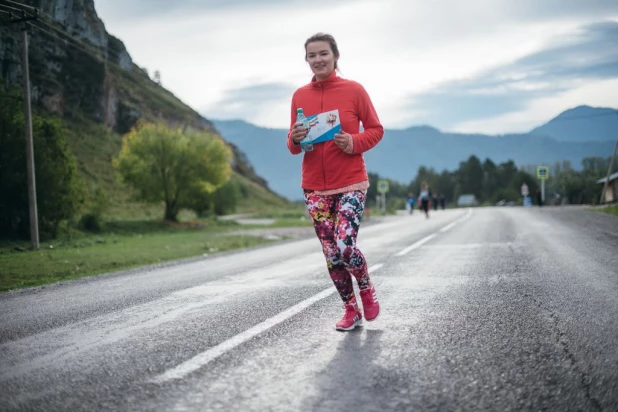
(93, 75)
(79, 70)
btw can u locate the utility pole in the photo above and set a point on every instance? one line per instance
(609, 172)
(34, 220)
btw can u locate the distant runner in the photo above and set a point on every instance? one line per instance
(425, 199)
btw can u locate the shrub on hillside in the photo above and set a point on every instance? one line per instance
(59, 189)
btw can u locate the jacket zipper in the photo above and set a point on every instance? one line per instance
(322, 151)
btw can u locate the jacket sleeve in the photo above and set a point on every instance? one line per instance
(292, 147)
(372, 128)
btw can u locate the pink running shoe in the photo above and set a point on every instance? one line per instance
(371, 306)
(351, 319)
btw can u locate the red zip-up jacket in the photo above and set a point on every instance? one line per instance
(327, 166)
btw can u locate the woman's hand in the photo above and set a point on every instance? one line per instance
(343, 139)
(298, 133)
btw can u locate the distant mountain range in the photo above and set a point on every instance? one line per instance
(582, 124)
(574, 134)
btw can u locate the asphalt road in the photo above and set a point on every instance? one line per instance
(497, 309)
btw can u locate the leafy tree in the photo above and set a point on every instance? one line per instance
(170, 165)
(490, 179)
(220, 202)
(226, 198)
(98, 203)
(506, 173)
(59, 189)
(595, 164)
(470, 176)
(446, 185)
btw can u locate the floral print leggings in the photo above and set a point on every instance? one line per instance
(336, 219)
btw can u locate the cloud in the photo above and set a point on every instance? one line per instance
(420, 61)
(250, 102)
(591, 54)
(139, 9)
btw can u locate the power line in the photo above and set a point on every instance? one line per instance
(98, 52)
(97, 49)
(92, 48)
(19, 4)
(95, 53)
(82, 43)
(12, 8)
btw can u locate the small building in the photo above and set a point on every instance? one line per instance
(611, 194)
(467, 200)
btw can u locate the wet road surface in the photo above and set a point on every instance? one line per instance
(482, 309)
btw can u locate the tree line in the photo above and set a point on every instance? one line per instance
(490, 182)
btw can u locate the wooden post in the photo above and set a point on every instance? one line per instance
(609, 172)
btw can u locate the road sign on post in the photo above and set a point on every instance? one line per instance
(383, 188)
(542, 172)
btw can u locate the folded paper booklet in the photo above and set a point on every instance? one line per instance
(323, 127)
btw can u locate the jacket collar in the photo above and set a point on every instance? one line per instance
(329, 81)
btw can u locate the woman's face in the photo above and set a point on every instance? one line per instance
(321, 59)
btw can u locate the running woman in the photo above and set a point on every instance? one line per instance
(334, 178)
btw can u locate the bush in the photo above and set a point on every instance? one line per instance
(91, 223)
(59, 189)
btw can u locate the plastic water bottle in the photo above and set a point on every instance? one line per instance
(300, 118)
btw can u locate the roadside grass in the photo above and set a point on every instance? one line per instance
(122, 245)
(612, 210)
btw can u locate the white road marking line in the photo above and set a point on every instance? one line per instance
(428, 238)
(449, 226)
(466, 217)
(375, 267)
(198, 361)
(416, 245)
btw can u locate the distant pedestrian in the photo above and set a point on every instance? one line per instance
(334, 177)
(525, 192)
(424, 197)
(410, 202)
(539, 197)
(442, 201)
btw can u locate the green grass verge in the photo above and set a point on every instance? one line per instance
(123, 245)
(612, 210)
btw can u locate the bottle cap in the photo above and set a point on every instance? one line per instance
(299, 110)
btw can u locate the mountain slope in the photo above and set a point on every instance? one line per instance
(401, 152)
(582, 124)
(85, 75)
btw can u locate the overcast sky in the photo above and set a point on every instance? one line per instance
(488, 66)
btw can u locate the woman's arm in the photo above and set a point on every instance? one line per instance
(373, 130)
